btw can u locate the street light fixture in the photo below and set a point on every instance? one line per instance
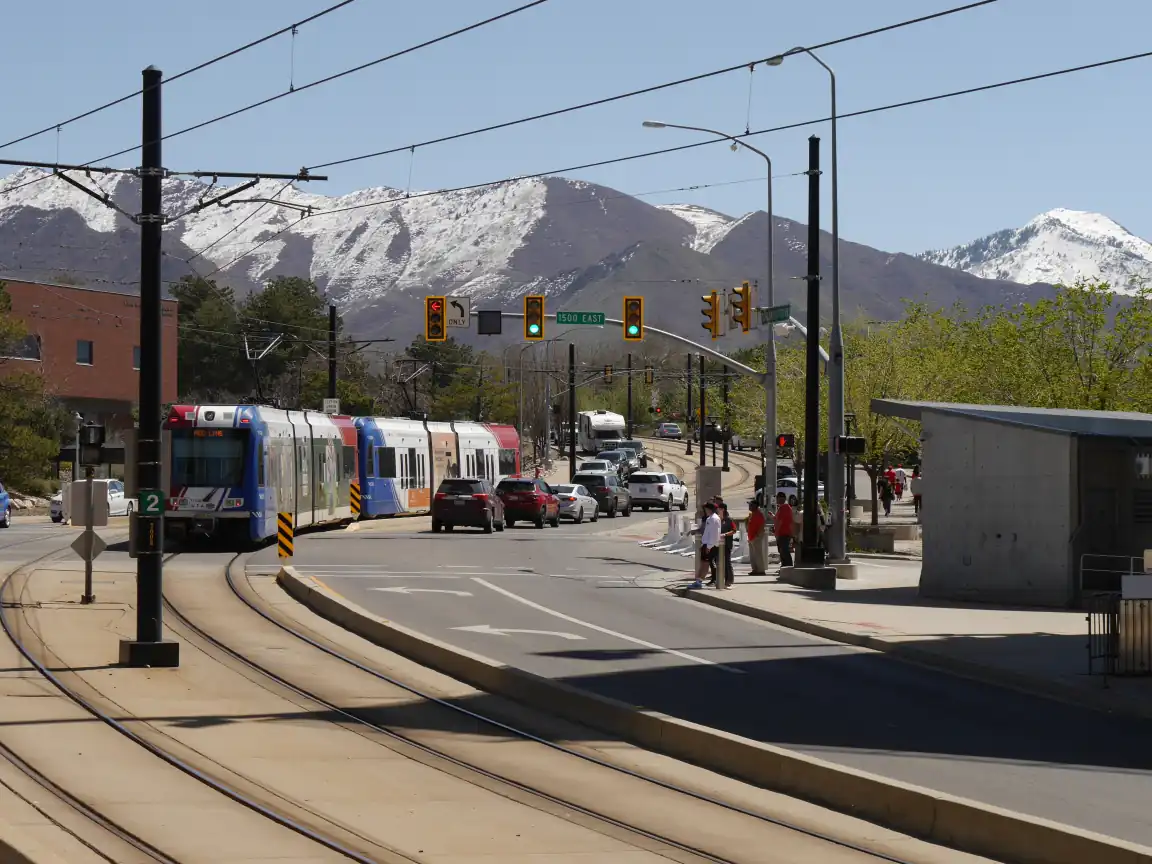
(837, 538)
(768, 453)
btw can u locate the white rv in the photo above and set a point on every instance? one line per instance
(597, 426)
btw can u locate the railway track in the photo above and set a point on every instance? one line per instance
(334, 838)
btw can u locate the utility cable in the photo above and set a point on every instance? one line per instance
(338, 75)
(643, 91)
(709, 142)
(290, 28)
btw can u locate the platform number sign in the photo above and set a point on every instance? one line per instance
(151, 502)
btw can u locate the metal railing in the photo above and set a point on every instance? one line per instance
(1119, 635)
(1105, 572)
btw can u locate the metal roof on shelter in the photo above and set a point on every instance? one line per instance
(1068, 421)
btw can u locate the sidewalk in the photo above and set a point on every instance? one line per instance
(1035, 650)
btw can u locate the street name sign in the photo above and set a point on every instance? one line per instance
(459, 310)
(591, 319)
(775, 314)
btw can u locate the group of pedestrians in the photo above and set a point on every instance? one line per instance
(718, 531)
(894, 482)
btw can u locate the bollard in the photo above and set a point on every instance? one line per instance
(285, 534)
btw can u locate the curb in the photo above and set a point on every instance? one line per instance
(921, 657)
(947, 820)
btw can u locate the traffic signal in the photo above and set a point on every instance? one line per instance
(434, 327)
(786, 441)
(633, 319)
(712, 314)
(534, 316)
(741, 307)
(607, 374)
(649, 375)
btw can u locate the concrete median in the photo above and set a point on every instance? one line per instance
(947, 820)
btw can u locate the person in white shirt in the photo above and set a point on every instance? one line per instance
(709, 545)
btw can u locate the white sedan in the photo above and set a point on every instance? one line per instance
(652, 489)
(576, 502)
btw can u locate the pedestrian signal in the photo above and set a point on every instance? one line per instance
(712, 314)
(786, 441)
(741, 307)
(633, 319)
(534, 316)
(434, 327)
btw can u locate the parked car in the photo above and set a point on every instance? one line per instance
(669, 430)
(467, 501)
(651, 489)
(576, 502)
(6, 503)
(621, 460)
(529, 500)
(637, 448)
(611, 494)
(56, 507)
(118, 504)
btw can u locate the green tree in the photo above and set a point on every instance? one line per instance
(211, 365)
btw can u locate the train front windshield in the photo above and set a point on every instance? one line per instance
(208, 457)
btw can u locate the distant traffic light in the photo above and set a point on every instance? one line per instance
(649, 375)
(434, 328)
(786, 441)
(607, 374)
(712, 314)
(534, 316)
(741, 307)
(633, 319)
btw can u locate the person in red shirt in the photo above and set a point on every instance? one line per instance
(756, 523)
(783, 524)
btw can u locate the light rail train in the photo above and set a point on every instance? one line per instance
(232, 468)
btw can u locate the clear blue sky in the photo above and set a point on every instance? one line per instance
(911, 179)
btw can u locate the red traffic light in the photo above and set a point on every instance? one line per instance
(435, 305)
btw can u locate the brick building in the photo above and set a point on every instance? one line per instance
(86, 344)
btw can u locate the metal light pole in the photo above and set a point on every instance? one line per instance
(768, 450)
(837, 528)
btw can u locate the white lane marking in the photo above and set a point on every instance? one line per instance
(605, 630)
(413, 575)
(403, 589)
(464, 567)
(504, 631)
(860, 563)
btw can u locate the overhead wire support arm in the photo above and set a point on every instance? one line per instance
(104, 199)
(57, 167)
(204, 205)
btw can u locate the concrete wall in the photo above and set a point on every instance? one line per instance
(999, 509)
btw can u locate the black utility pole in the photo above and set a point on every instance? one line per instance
(572, 410)
(149, 647)
(480, 391)
(629, 395)
(332, 351)
(727, 420)
(688, 424)
(811, 552)
(703, 414)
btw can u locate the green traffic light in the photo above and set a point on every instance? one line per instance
(633, 329)
(533, 328)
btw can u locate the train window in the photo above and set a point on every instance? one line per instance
(349, 463)
(507, 462)
(261, 458)
(370, 460)
(412, 472)
(480, 462)
(422, 478)
(387, 464)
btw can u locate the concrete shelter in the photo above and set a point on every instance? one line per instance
(1030, 506)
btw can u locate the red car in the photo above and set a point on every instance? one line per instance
(529, 500)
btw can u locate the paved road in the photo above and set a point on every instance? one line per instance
(597, 618)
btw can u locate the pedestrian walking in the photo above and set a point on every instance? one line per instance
(756, 537)
(916, 488)
(727, 540)
(783, 526)
(886, 496)
(709, 546)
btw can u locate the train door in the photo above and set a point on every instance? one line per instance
(303, 482)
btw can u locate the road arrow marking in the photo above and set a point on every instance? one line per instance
(504, 631)
(401, 589)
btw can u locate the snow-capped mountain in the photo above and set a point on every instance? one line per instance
(1057, 247)
(376, 251)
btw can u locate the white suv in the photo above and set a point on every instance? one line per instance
(651, 489)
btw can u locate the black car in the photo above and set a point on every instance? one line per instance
(467, 501)
(621, 460)
(611, 494)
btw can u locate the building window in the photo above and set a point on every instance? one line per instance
(136, 357)
(84, 352)
(27, 348)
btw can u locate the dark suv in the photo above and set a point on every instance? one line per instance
(530, 500)
(609, 492)
(467, 501)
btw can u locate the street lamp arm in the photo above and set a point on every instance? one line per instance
(739, 141)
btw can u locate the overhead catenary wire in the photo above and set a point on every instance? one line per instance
(646, 90)
(338, 75)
